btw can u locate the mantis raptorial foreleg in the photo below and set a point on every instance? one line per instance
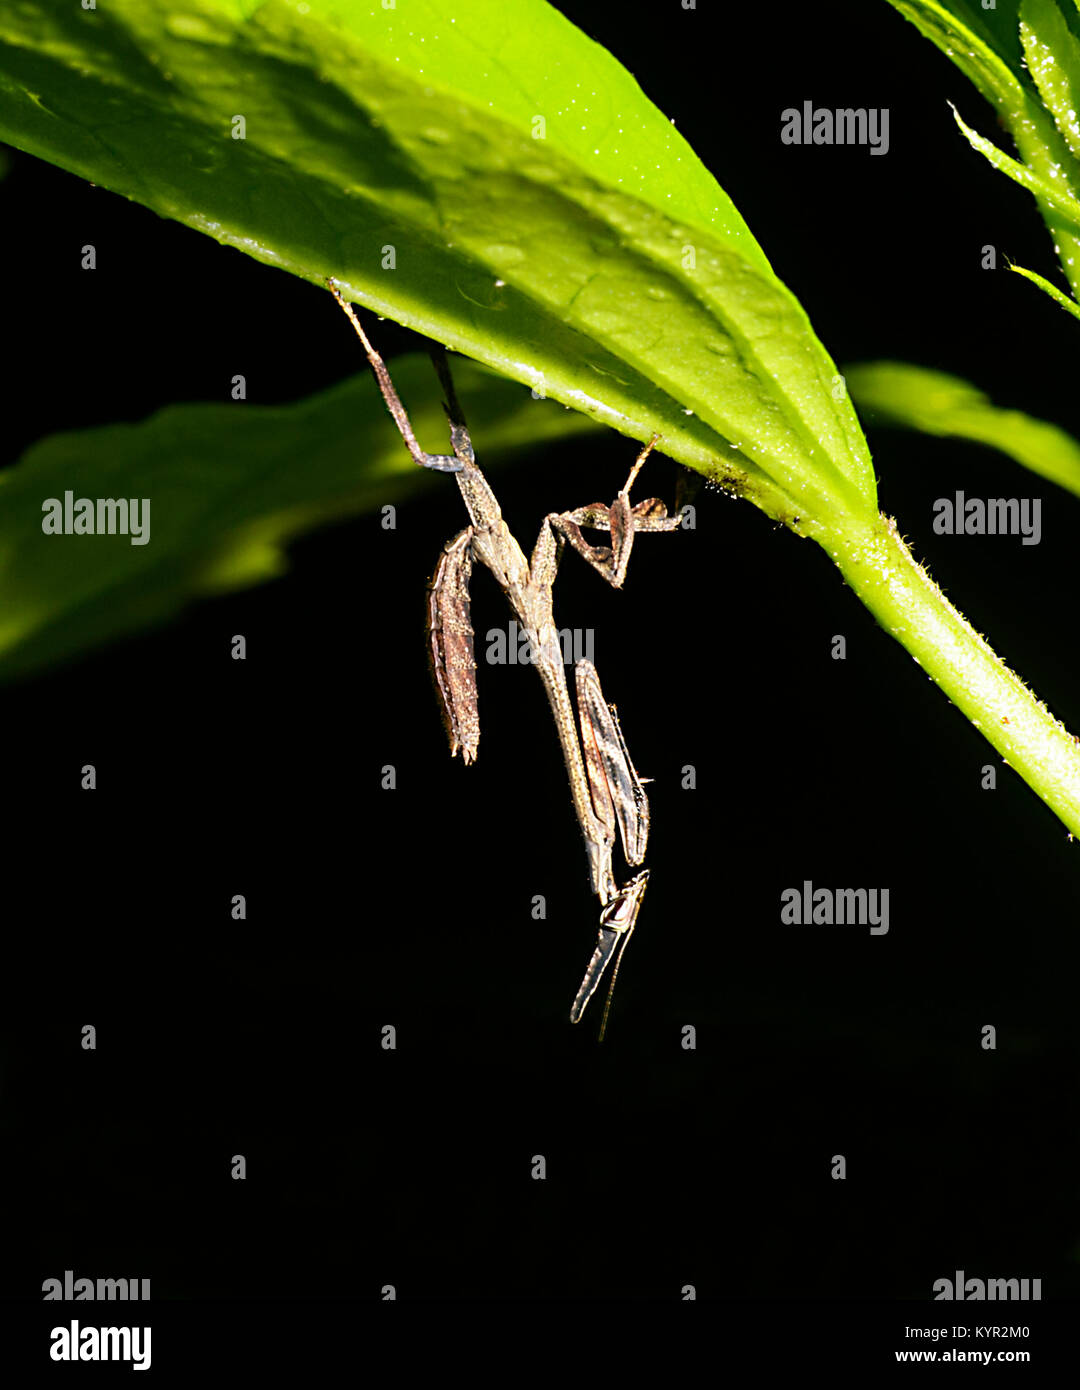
(620, 520)
(605, 787)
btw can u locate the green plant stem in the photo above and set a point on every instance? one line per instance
(906, 602)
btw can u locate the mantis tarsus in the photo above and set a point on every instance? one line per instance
(606, 789)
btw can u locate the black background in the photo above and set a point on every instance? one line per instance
(665, 1167)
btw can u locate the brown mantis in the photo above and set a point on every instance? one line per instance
(606, 789)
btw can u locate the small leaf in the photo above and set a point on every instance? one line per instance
(1060, 199)
(228, 485)
(910, 397)
(1052, 290)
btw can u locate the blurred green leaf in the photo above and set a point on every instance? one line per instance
(504, 187)
(228, 486)
(896, 393)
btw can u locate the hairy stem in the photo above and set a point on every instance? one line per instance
(906, 602)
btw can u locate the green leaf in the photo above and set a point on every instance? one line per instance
(1070, 305)
(1053, 59)
(896, 393)
(1059, 198)
(228, 486)
(601, 263)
